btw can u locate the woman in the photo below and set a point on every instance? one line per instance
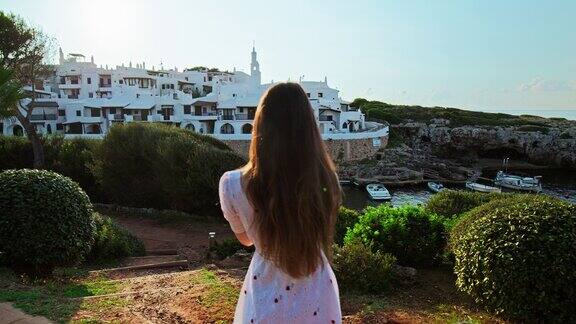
(285, 201)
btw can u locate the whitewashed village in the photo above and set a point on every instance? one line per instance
(83, 99)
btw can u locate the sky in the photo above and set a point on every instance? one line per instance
(484, 55)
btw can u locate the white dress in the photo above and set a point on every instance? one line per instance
(268, 294)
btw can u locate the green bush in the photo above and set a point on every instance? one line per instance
(112, 241)
(451, 203)
(347, 218)
(414, 236)
(228, 247)
(74, 158)
(45, 220)
(517, 257)
(358, 268)
(16, 153)
(162, 167)
(70, 157)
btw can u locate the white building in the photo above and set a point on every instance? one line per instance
(85, 100)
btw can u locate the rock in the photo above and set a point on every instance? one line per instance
(404, 274)
(240, 259)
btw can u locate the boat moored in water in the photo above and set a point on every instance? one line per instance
(378, 191)
(435, 187)
(481, 188)
(518, 182)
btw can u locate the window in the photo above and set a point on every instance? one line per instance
(163, 86)
(187, 80)
(308, 94)
(61, 112)
(209, 78)
(233, 95)
(90, 95)
(78, 113)
(240, 110)
(121, 81)
(62, 80)
(172, 86)
(320, 95)
(89, 81)
(94, 112)
(113, 111)
(187, 109)
(59, 127)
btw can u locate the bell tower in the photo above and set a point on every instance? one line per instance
(255, 68)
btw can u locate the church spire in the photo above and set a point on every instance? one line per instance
(255, 67)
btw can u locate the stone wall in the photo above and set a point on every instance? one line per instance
(341, 150)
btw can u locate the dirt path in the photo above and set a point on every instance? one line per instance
(9, 314)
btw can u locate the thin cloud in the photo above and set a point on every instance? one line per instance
(542, 85)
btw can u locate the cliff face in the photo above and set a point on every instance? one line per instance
(549, 146)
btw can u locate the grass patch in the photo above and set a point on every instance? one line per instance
(57, 299)
(219, 296)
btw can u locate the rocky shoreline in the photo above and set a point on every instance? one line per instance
(421, 152)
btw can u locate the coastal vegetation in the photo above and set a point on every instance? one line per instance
(397, 114)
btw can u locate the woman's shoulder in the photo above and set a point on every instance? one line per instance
(230, 177)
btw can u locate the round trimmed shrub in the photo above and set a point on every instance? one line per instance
(410, 233)
(452, 203)
(358, 268)
(45, 221)
(518, 257)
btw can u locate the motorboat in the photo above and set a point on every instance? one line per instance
(435, 186)
(481, 188)
(378, 191)
(510, 181)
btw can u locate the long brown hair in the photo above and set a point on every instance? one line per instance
(291, 182)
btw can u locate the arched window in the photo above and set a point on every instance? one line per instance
(190, 127)
(247, 129)
(226, 129)
(17, 130)
(49, 129)
(344, 125)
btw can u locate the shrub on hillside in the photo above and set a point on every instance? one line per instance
(358, 268)
(451, 203)
(517, 257)
(347, 218)
(113, 241)
(162, 167)
(413, 235)
(45, 220)
(228, 247)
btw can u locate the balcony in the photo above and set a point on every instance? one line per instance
(116, 117)
(105, 85)
(42, 117)
(73, 96)
(69, 86)
(131, 118)
(325, 118)
(244, 117)
(227, 117)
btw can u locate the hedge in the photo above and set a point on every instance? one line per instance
(517, 257)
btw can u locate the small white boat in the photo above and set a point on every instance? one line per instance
(377, 191)
(481, 188)
(435, 186)
(517, 182)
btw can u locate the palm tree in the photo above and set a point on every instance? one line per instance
(10, 94)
